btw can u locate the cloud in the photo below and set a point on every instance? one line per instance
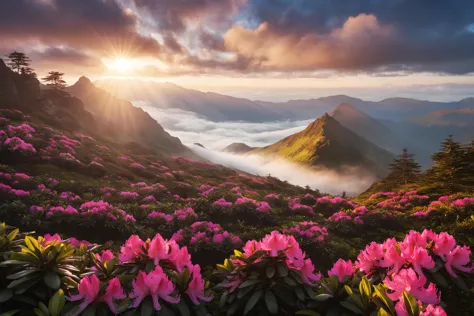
(342, 48)
(191, 128)
(351, 180)
(99, 25)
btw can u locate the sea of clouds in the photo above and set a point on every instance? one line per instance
(214, 136)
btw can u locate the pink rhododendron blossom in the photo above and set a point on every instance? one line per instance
(274, 242)
(155, 284)
(407, 280)
(88, 288)
(159, 249)
(132, 249)
(195, 288)
(459, 258)
(113, 293)
(342, 269)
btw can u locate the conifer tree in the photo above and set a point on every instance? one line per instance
(404, 169)
(54, 80)
(451, 166)
(18, 61)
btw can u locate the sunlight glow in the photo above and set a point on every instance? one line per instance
(121, 65)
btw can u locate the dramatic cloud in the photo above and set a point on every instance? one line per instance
(351, 180)
(101, 25)
(273, 37)
(344, 47)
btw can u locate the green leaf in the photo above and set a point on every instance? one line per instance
(13, 234)
(21, 274)
(289, 281)
(307, 313)
(348, 289)
(365, 287)
(352, 308)
(271, 302)
(322, 297)
(223, 299)
(411, 304)
(248, 283)
(5, 295)
(56, 303)
(382, 312)
(52, 280)
(147, 308)
(43, 308)
(300, 294)
(460, 283)
(90, 310)
(39, 312)
(282, 269)
(253, 300)
(440, 279)
(10, 313)
(270, 271)
(233, 308)
(245, 291)
(380, 293)
(183, 308)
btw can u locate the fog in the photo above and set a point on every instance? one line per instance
(192, 128)
(351, 180)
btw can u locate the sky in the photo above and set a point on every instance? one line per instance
(261, 49)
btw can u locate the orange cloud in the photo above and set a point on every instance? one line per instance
(356, 44)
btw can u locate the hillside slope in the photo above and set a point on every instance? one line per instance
(326, 142)
(127, 122)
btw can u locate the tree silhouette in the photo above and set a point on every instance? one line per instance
(18, 61)
(27, 71)
(54, 80)
(404, 169)
(451, 165)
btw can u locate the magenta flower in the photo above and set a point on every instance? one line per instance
(132, 249)
(180, 258)
(342, 269)
(113, 293)
(195, 288)
(159, 249)
(407, 280)
(444, 243)
(274, 242)
(458, 258)
(155, 284)
(88, 288)
(433, 310)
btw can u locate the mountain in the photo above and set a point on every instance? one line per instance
(456, 117)
(377, 133)
(125, 121)
(216, 107)
(238, 148)
(326, 142)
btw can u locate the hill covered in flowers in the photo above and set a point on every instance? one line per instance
(121, 230)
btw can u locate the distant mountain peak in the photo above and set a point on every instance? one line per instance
(83, 81)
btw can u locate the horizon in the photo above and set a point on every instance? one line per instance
(254, 49)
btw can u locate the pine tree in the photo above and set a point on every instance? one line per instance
(451, 165)
(18, 61)
(54, 80)
(404, 169)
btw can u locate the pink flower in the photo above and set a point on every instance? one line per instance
(106, 255)
(433, 310)
(250, 247)
(418, 257)
(195, 288)
(159, 249)
(401, 309)
(132, 249)
(342, 269)
(156, 284)
(88, 290)
(274, 242)
(180, 258)
(113, 292)
(263, 207)
(407, 280)
(458, 258)
(307, 271)
(444, 243)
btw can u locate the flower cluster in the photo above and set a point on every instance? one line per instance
(403, 201)
(307, 230)
(205, 233)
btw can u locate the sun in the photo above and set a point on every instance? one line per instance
(122, 65)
